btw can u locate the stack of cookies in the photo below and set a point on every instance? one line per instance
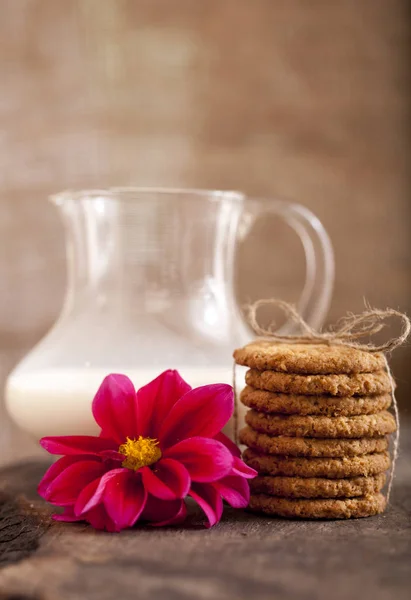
(316, 430)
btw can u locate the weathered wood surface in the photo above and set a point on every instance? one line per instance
(243, 557)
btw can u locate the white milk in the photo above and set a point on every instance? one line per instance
(58, 401)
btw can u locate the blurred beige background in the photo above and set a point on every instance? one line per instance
(303, 100)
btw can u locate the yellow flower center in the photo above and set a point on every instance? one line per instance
(140, 453)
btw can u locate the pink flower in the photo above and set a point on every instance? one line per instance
(156, 446)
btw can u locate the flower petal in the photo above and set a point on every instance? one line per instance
(201, 412)
(209, 500)
(54, 471)
(99, 519)
(205, 459)
(124, 498)
(113, 458)
(114, 408)
(92, 494)
(66, 487)
(167, 480)
(240, 468)
(88, 497)
(234, 449)
(67, 515)
(177, 519)
(234, 489)
(160, 512)
(155, 400)
(77, 444)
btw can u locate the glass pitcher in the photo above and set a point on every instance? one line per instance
(150, 287)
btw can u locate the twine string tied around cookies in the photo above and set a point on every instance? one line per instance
(349, 330)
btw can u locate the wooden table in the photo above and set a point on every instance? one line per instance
(244, 557)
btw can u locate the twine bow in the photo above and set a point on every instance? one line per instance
(349, 330)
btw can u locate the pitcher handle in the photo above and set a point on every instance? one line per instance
(315, 299)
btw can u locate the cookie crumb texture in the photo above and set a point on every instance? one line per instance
(317, 487)
(358, 384)
(330, 468)
(348, 508)
(315, 426)
(315, 447)
(331, 406)
(308, 358)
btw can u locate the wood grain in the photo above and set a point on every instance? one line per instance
(307, 101)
